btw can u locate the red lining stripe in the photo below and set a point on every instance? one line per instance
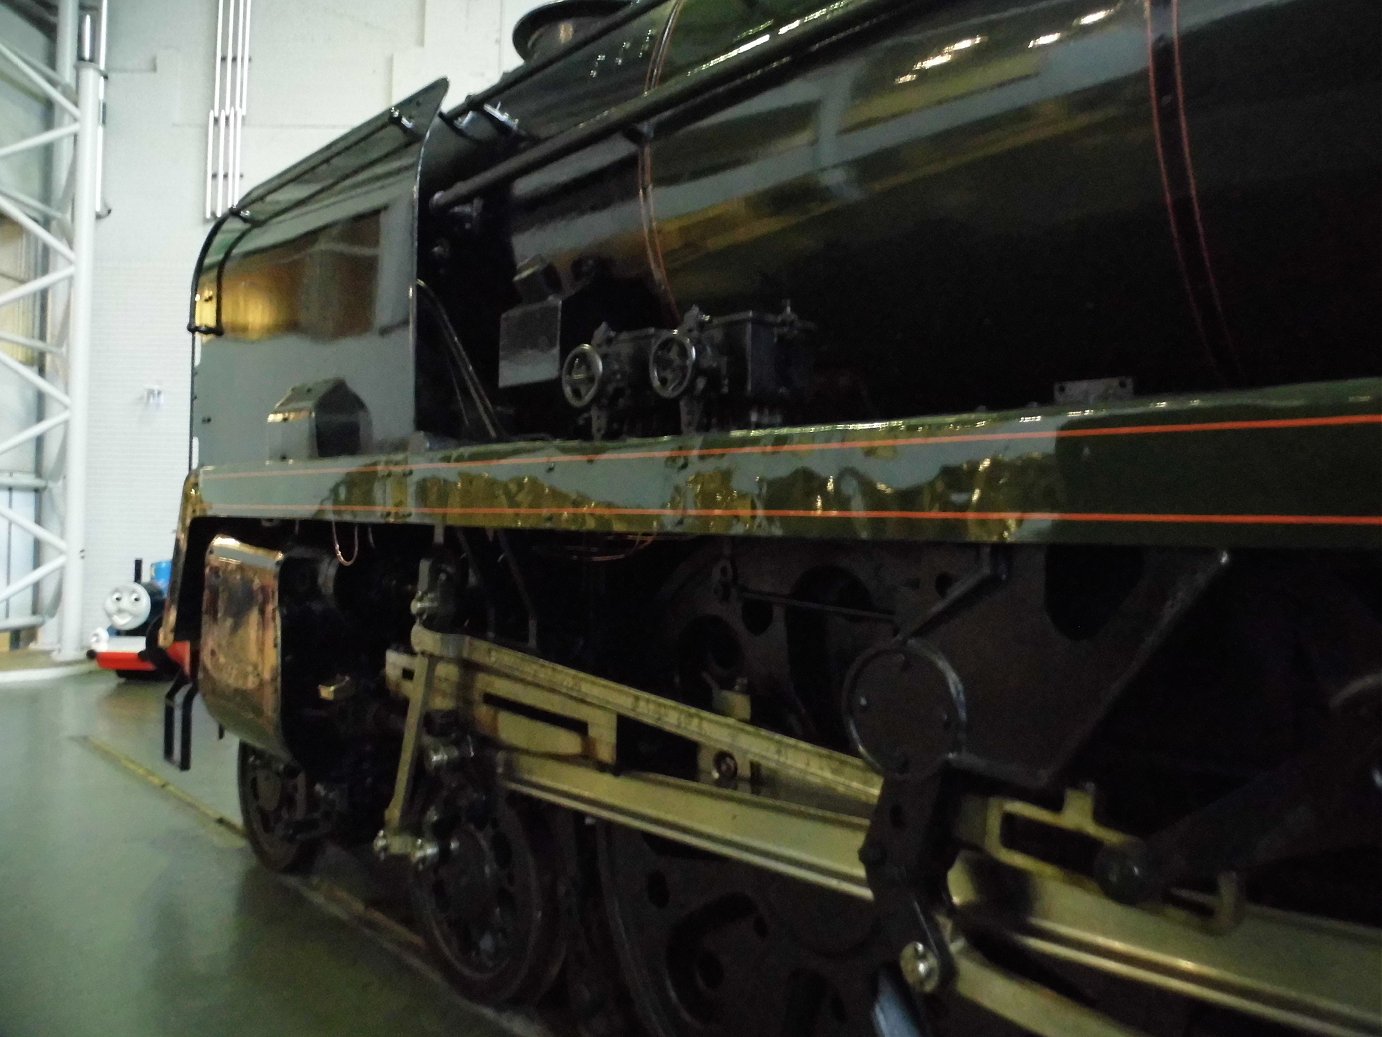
(952, 516)
(779, 448)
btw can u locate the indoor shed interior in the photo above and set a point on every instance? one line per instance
(691, 518)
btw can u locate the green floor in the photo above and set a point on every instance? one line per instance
(126, 912)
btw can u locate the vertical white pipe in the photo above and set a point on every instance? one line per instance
(104, 38)
(225, 32)
(213, 116)
(85, 202)
(232, 89)
(241, 95)
(233, 110)
(65, 42)
(232, 28)
(235, 104)
(245, 57)
(65, 65)
(210, 157)
(102, 44)
(216, 68)
(232, 75)
(232, 174)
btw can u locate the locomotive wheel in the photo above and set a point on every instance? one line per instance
(713, 948)
(273, 796)
(595, 992)
(488, 903)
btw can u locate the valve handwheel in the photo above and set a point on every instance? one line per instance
(581, 373)
(672, 365)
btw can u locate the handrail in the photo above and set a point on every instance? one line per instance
(748, 59)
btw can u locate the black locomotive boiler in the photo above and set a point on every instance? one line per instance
(801, 517)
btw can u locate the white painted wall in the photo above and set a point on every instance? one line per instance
(318, 67)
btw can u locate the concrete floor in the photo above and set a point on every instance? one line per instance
(124, 911)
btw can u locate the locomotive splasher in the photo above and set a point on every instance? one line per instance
(869, 694)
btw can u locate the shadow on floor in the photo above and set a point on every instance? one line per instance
(126, 912)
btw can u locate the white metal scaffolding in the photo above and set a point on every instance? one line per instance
(54, 361)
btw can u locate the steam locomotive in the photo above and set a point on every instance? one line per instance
(812, 517)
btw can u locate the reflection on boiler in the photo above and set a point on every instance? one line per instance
(1094, 16)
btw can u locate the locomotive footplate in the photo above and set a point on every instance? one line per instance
(553, 733)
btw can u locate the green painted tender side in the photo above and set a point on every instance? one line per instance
(1296, 466)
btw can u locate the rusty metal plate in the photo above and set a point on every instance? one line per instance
(241, 632)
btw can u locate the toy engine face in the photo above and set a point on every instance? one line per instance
(127, 606)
